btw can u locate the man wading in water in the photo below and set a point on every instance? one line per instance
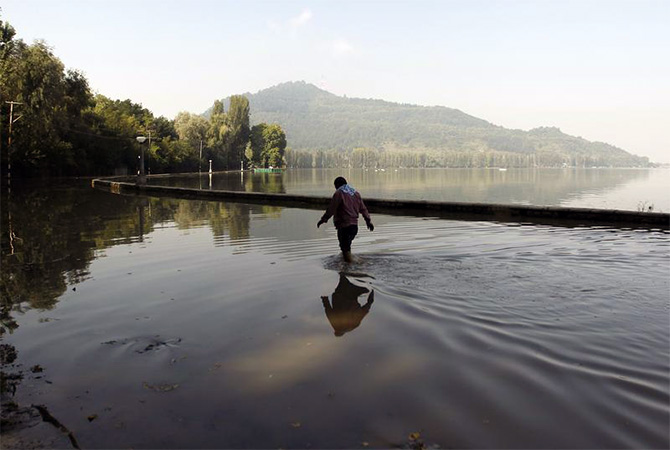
(345, 206)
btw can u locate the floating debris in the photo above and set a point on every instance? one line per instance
(296, 424)
(415, 442)
(160, 387)
(7, 354)
(92, 417)
(46, 319)
(37, 369)
(145, 344)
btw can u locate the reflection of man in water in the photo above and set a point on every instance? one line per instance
(346, 313)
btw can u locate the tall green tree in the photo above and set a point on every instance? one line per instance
(192, 130)
(229, 132)
(33, 76)
(218, 137)
(8, 54)
(256, 145)
(274, 145)
(238, 122)
(267, 145)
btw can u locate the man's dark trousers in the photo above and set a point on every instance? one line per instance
(345, 236)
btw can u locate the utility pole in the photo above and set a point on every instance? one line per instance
(149, 148)
(9, 140)
(200, 158)
(9, 173)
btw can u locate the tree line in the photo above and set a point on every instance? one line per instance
(59, 127)
(371, 158)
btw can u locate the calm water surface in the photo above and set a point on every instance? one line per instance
(191, 324)
(627, 189)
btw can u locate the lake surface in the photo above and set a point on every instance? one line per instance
(627, 189)
(194, 324)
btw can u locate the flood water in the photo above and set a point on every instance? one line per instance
(626, 189)
(164, 323)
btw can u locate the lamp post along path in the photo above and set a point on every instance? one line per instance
(142, 178)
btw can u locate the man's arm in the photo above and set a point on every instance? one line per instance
(332, 208)
(366, 215)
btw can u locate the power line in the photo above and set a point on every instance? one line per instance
(116, 138)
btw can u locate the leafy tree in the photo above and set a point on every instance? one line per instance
(256, 144)
(267, 145)
(238, 123)
(229, 133)
(51, 104)
(274, 146)
(165, 128)
(193, 130)
(218, 136)
(117, 123)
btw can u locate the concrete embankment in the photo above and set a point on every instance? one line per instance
(548, 215)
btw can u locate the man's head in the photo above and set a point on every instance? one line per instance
(340, 181)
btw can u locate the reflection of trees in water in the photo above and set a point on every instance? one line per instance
(534, 186)
(57, 229)
(265, 182)
(233, 217)
(540, 186)
(223, 218)
(227, 181)
(49, 236)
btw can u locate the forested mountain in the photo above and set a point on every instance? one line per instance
(326, 130)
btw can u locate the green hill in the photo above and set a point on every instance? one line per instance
(317, 121)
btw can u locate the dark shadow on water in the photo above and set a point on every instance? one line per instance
(343, 310)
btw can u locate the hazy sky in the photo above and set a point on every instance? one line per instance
(596, 69)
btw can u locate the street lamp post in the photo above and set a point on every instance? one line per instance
(142, 178)
(210, 174)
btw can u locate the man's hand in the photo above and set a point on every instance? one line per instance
(320, 222)
(371, 227)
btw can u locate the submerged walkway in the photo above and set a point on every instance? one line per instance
(549, 215)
